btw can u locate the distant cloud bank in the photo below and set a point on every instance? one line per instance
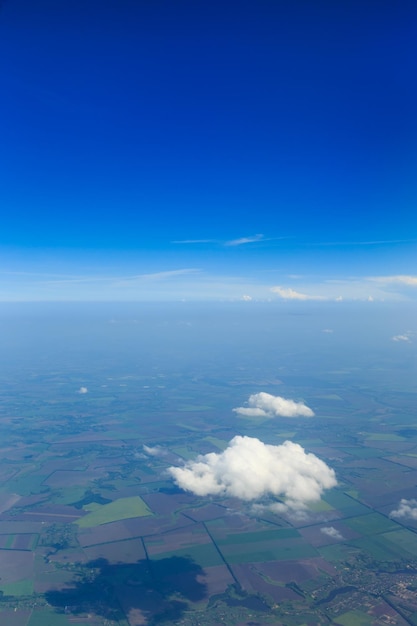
(266, 405)
(250, 470)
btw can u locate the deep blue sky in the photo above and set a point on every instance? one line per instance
(129, 126)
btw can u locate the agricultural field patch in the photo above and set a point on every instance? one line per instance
(328, 533)
(165, 504)
(371, 524)
(403, 540)
(252, 579)
(16, 565)
(19, 542)
(204, 555)
(192, 535)
(206, 512)
(71, 478)
(19, 588)
(128, 551)
(45, 617)
(354, 618)
(268, 551)
(13, 617)
(120, 509)
(273, 535)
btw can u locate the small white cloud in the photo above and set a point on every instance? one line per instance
(250, 470)
(290, 294)
(83, 390)
(339, 299)
(327, 330)
(266, 405)
(370, 299)
(332, 532)
(243, 240)
(154, 451)
(404, 337)
(407, 508)
(246, 298)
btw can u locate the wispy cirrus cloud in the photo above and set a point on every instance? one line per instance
(399, 279)
(244, 240)
(167, 274)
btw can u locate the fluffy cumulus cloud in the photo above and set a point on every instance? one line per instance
(290, 294)
(407, 509)
(251, 470)
(332, 532)
(266, 405)
(83, 390)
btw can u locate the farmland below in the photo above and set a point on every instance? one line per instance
(94, 530)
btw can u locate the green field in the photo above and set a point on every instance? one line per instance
(403, 541)
(371, 524)
(19, 588)
(124, 508)
(263, 552)
(339, 500)
(203, 555)
(253, 537)
(354, 618)
(221, 444)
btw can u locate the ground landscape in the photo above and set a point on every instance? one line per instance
(94, 530)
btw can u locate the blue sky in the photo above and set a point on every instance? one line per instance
(159, 150)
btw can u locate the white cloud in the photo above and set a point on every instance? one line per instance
(154, 451)
(266, 405)
(243, 240)
(332, 532)
(404, 337)
(406, 508)
(327, 330)
(401, 279)
(250, 470)
(290, 294)
(246, 298)
(83, 390)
